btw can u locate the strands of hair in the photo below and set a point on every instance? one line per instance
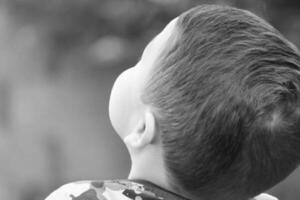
(226, 96)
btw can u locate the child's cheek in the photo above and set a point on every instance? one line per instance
(120, 105)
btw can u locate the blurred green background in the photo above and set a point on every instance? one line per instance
(58, 61)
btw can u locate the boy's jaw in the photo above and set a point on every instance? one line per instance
(127, 113)
(125, 105)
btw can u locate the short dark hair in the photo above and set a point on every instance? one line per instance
(226, 98)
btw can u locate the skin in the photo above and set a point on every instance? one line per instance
(134, 121)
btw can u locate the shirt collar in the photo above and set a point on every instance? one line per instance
(159, 191)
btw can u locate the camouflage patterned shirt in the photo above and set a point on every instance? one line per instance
(112, 190)
(119, 190)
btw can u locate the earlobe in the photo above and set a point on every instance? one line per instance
(132, 140)
(135, 137)
(144, 132)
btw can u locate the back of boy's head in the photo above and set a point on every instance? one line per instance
(225, 94)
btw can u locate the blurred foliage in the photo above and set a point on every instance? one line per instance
(69, 24)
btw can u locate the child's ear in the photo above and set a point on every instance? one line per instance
(143, 133)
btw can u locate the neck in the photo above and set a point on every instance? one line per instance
(149, 166)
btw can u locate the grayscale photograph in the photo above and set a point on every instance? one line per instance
(149, 100)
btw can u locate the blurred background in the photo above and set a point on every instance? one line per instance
(58, 61)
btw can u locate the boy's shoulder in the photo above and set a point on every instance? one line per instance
(104, 190)
(118, 190)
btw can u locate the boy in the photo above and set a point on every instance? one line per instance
(210, 112)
